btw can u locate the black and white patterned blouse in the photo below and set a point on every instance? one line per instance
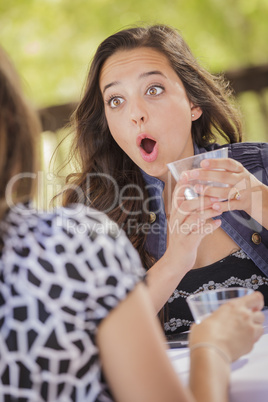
(60, 275)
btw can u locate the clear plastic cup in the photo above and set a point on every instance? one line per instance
(193, 162)
(204, 303)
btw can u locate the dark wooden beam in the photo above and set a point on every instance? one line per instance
(55, 117)
(248, 79)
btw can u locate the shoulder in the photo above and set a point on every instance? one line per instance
(76, 233)
(245, 148)
(74, 220)
(252, 155)
(79, 220)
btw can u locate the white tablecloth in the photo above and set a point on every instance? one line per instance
(249, 376)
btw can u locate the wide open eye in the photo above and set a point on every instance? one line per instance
(155, 90)
(115, 101)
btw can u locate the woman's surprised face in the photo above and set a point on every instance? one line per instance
(147, 109)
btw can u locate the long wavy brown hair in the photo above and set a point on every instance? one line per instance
(98, 155)
(19, 132)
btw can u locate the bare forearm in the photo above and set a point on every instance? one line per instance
(163, 278)
(209, 377)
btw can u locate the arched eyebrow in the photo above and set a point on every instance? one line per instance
(110, 85)
(143, 75)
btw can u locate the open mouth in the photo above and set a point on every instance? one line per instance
(148, 145)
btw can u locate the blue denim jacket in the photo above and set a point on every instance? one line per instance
(249, 235)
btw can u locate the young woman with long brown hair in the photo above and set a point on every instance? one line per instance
(148, 102)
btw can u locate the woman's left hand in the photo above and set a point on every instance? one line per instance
(243, 191)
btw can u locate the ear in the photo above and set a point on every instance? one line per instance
(196, 112)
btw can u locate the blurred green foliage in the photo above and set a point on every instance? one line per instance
(52, 41)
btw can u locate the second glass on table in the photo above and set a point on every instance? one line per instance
(193, 162)
(204, 303)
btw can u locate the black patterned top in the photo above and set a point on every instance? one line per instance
(60, 275)
(235, 270)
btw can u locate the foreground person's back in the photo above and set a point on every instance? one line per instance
(59, 279)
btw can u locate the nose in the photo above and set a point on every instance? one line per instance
(138, 113)
(138, 120)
